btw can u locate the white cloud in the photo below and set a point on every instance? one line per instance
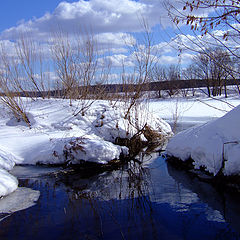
(117, 61)
(168, 60)
(198, 43)
(114, 42)
(112, 22)
(8, 47)
(113, 77)
(118, 50)
(163, 47)
(186, 58)
(98, 15)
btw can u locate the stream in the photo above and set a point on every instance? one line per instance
(153, 200)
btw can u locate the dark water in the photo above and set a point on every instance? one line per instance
(153, 201)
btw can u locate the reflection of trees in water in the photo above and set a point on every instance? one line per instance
(224, 205)
(123, 204)
(120, 198)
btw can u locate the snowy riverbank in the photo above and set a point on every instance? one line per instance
(214, 146)
(59, 136)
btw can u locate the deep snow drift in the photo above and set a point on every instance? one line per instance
(214, 145)
(58, 135)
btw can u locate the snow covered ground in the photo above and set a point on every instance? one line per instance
(214, 145)
(193, 110)
(58, 135)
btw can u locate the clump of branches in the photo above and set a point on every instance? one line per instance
(76, 63)
(223, 13)
(10, 86)
(31, 66)
(215, 25)
(136, 83)
(134, 87)
(65, 64)
(22, 74)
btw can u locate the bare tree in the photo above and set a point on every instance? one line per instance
(10, 86)
(144, 58)
(190, 74)
(211, 68)
(158, 74)
(77, 65)
(31, 62)
(65, 63)
(89, 72)
(170, 74)
(214, 23)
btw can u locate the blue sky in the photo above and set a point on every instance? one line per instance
(14, 11)
(19, 12)
(113, 22)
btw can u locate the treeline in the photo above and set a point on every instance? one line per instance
(173, 85)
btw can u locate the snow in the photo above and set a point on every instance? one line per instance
(58, 135)
(211, 145)
(55, 131)
(6, 160)
(8, 183)
(193, 110)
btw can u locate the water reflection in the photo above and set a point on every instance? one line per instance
(148, 201)
(225, 204)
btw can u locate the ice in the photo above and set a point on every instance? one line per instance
(21, 199)
(27, 172)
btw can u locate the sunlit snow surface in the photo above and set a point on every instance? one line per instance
(55, 126)
(59, 135)
(211, 143)
(8, 183)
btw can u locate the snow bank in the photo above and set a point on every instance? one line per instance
(6, 160)
(8, 183)
(58, 135)
(211, 143)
